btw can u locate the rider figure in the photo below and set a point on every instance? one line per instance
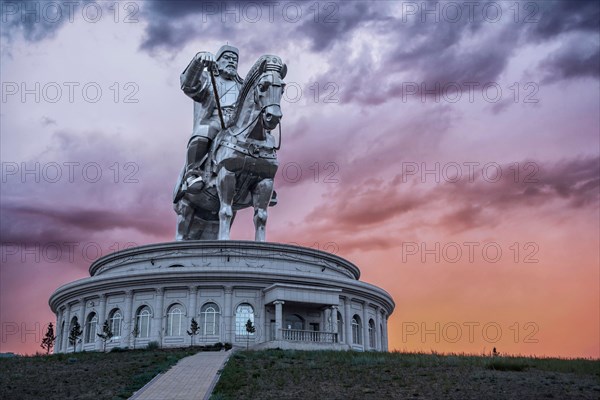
(196, 83)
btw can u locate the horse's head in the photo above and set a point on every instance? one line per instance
(268, 91)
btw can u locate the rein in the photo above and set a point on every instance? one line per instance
(262, 110)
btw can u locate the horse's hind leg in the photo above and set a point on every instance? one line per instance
(226, 190)
(261, 195)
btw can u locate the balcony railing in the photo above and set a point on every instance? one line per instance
(296, 335)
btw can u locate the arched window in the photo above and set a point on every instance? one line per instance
(74, 321)
(356, 328)
(340, 327)
(371, 334)
(294, 321)
(90, 328)
(243, 313)
(174, 320)
(209, 319)
(381, 336)
(115, 320)
(143, 322)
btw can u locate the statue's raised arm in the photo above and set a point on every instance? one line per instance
(194, 79)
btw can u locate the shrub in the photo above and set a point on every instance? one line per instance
(153, 345)
(118, 350)
(507, 365)
(228, 346)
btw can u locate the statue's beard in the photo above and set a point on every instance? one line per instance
(228, 72)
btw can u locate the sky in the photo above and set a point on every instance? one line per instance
(451, 150)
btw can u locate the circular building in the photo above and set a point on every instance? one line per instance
(294, 296)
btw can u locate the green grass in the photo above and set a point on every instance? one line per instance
(86, 375)
(278, 374)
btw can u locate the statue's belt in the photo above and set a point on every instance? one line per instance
(251, 149)
(227, 111)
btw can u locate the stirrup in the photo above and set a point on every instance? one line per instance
(273, 200)
(194, 185)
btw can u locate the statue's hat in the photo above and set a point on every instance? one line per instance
(226, 48)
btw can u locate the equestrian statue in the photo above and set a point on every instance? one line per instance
(232, 154)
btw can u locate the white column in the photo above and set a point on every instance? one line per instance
(192, 309)
(266, 333)
(65, 339)
(365, 318)
(227, 317)
(348, 320)
(59, 317)
(259, 318)
(278, 319)
(385, 333)
(334, 320)
(101, 318)
(128, 320)
(159, 317)
(342, 311)
(102, 310)
(82, 323)
(378, 329)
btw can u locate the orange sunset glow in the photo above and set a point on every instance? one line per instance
(455, 162)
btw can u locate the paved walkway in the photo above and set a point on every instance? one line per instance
(192, 378)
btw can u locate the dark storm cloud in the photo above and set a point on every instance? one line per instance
(322, 24)
(434, 54)
(338, 20)
(558, 17)
(50, 221)
(579, 57)
(69, 206)
(37, 20)
(172, 24)
(574, 182)
(466, 204)
(427, 50)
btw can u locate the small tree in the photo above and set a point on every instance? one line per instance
(135, 332)
(75, 334)
(194, 330)
(106, 334)
(249, 330)
(49, 339)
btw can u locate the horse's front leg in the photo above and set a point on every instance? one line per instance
(261, 195)
(185, 219)
(226, 190)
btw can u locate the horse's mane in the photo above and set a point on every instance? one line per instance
(273, 64)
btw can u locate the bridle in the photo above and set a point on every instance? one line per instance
(262, 113)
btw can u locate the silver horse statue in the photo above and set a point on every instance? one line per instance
(242, 162)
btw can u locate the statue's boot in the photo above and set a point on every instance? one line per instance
(196, 156)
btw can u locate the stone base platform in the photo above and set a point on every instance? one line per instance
(294, 296)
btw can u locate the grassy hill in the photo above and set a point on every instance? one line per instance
(278, 374)
(87, 375)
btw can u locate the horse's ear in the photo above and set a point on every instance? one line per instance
(283, 71)
(263, 66)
